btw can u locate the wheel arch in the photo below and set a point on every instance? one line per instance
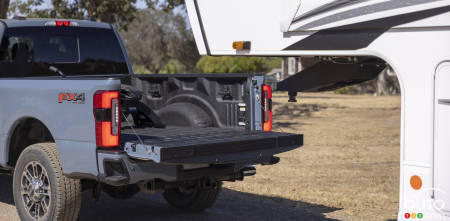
(200, 103)
(30, 130)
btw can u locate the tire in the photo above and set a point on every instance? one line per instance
(61, 195)
(195, 200)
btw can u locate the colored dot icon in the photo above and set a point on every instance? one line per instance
(413, 215)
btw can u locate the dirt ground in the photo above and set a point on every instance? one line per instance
(348, 169)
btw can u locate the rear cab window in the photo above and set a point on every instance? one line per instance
(73, 51)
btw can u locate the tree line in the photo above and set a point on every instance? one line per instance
(158, 37)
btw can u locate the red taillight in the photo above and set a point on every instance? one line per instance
(62, 23)
(266, 107)
(107, 118)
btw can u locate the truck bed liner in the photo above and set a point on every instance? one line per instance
(205, 145)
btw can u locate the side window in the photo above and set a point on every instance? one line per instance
(16, 56)
(55, 49)
(17, 49)
(30, 54)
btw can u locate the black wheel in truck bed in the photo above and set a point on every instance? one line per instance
(205, 145)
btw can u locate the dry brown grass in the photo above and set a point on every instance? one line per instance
(350, 158)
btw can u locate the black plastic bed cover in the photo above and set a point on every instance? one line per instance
(205, 145)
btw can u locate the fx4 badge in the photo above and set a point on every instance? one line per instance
(74, 98)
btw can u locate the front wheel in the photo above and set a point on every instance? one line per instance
(41, 191)
(194, 199)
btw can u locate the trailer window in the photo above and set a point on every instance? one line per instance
(31, 51)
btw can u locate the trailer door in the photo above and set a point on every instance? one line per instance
(442, 137)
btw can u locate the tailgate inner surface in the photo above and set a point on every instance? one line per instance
(178, 143)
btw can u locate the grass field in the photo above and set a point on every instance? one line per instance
(349, 165)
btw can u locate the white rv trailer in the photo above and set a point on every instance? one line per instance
(412, 36)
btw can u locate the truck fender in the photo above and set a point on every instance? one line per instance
(8, 142)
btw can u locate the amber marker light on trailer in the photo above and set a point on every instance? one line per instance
(415, 182)
(242, 45)
(107, 118)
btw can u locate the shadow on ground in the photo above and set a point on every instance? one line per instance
(232, 205)
(6, 195)
(300, 110)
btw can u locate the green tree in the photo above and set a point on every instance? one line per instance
(25, 7)
(160, 42)
(237, 64)
(272, 63)
(164, 4)
(119, 12)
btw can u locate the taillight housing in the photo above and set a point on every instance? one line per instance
(107, 118)
(266, 105)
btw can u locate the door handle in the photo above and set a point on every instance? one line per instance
(444, 101)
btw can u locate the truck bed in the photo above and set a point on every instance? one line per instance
(218, 100)
(186, 145)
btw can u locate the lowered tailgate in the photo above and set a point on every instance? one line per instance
(179, 145)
